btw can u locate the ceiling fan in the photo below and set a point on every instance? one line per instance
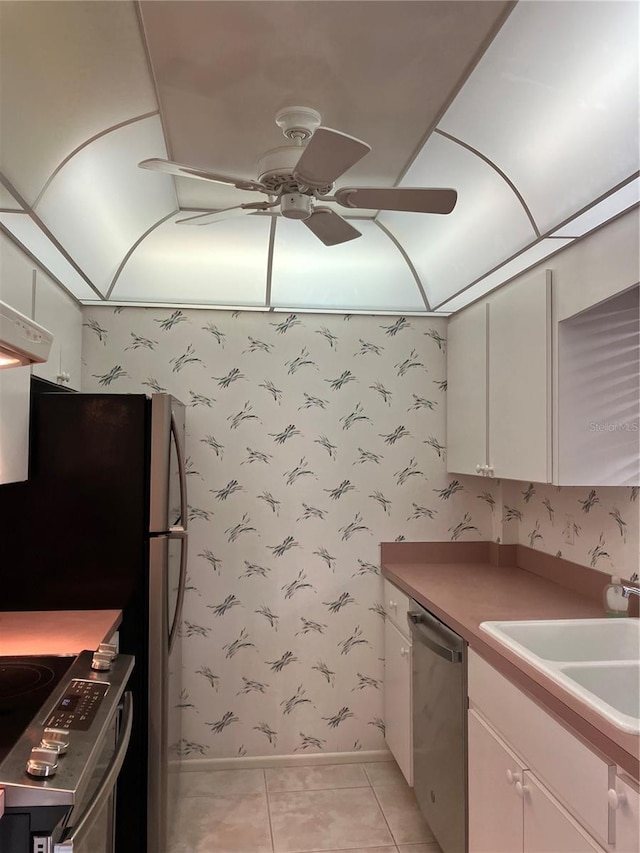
(298, 179)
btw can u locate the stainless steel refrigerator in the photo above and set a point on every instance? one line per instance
(102, 523)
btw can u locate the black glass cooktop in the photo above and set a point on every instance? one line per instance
(25, 684)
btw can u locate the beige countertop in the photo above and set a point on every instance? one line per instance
(464, 594)
(55, 632)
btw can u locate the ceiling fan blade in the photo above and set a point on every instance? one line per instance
(215, 216)
(412, 199)
(327, 155)
(180, 170)
(330, 227)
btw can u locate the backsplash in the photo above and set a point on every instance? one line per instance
(602, 524)
(311, 439)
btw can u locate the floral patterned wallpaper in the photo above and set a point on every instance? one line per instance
(595, 527)
(311, 439)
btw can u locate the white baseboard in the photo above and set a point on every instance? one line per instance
(261, 761)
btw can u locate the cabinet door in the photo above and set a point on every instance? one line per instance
(627, 817)
(548, 827)
(397, 698)
(16, 289)
(467, 390)
(62, 316)
(520, 422)
(495, 809)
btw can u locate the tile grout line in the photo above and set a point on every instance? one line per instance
(266, 793)
(384, 817)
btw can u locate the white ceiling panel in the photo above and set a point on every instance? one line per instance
(223, 264)
(554, 103)
(623, 199)
(38, 244)
(70, 70)
(487, 225)
(525, 260)
(100, 203)
(368, 273)
(380, 71)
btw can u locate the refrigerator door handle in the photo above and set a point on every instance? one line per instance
(177, 615)
(182, 474)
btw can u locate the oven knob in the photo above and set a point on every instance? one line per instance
(55, 739)
(108, 649)
(42, 762)
(101, 661)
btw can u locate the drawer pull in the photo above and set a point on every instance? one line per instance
(616, 799)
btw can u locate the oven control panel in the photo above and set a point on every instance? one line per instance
(79, 705)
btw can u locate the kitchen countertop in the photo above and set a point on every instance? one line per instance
(55, 632)
(464, 594)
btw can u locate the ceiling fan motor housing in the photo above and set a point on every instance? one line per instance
(296, 205)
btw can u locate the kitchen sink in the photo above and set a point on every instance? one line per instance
(615, 684)
(571, 639)
(597, 660)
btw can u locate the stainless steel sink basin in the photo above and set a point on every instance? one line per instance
(572, 639)
(597, 660)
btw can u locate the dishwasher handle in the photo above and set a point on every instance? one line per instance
(421, 628)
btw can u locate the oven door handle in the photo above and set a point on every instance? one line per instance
(420, 628)
(107, 784)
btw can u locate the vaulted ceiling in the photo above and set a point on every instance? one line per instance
(529, 110)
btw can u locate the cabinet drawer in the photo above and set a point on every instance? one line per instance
(575, 774)
(396, 605)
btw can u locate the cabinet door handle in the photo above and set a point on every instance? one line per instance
(488, 471)
(521, 790)
(393, 604)
(512, 777)
(615, 798)
(404, 652)
(480, 469)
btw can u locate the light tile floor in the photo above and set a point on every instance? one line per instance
(360, 808)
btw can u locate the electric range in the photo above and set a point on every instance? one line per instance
(65, 724)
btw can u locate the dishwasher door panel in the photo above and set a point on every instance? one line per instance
(439, 733)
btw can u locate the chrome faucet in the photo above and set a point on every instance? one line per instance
(628, 590)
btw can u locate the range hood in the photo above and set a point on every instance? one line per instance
(22, 341)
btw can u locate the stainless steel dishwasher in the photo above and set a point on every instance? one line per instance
(439, 727)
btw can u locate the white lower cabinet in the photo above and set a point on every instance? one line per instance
(510, 811)
(548, 828)
(532, 779)
(624, 799)
(397, 697)
(397, 681)
(495, 810)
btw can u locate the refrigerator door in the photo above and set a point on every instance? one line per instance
(165, 671)
(168, 498)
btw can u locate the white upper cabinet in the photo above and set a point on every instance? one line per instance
(499, 384)
(16, 289)
(62, 316)
(544, 381)
(467, 409)
(520, 379)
